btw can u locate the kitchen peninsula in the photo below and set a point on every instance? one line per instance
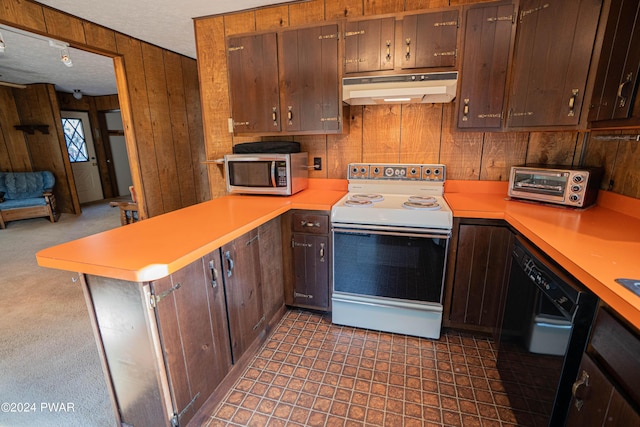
(120, 269)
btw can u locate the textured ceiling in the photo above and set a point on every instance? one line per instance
(164, 23)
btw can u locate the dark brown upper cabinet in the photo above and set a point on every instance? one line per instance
(428, 40)
(614, 97)
(554, 44)
(397, 43)
(253, 83)
(487, 45)
(286, 82)
(309, 80)
(369, 45)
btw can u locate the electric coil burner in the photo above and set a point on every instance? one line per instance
(389, 259)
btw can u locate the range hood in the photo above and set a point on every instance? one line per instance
(400, 89)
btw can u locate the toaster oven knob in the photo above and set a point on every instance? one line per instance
(574, 197)
(578, 178)
(576, 188)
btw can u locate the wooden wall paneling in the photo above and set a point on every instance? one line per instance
(346, 148)
(460, 151)
(161, 123)
(179, 128)
(626, 175)
(134, 107)
(194, 129)
(97, 35)
(602, 153)
(60, 24)
(336, 9)
(272, 18)
(307, 12)
(500, 151)
(381, 133)
(373, 7)
(316, 146)
(422, 144)
(464, 2)
(14, 154)
(107, 102)
(214, 92)
(238, 23)
(425, 4)
(552, 148)
(24, 14)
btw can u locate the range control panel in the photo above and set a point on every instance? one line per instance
(397, 172)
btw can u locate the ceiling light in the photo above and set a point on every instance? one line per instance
(77, 94)
(65, 58)
(2, 44)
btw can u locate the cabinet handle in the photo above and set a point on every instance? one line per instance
(388, 50)
(309, 224)
(465, 110)
(623, 99)
(274, 116)
(579, 389)
(408, 54)
(572, 102)
(321, 252)
(227, 256)
(214, 274)
(290, 113)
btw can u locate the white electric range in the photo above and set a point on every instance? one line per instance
(390, 237)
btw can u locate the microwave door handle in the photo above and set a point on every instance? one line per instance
(273, 174)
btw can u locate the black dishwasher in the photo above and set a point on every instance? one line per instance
(543, 332)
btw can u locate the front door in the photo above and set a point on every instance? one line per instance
(77, 134)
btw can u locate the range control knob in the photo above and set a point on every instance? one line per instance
(354, 170)
(363, 170)
(413, 171)
(376, 170)
(388, 171)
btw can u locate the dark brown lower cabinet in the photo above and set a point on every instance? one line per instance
(307, 259)
(243, 288)
(479, 258)
(169, 345)
(192, 321)
(606, 391)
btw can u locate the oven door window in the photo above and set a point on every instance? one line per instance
(553, 184)
(391, 266)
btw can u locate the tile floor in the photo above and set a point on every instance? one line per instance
(313, 373)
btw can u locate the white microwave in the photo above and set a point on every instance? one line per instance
(266, 173)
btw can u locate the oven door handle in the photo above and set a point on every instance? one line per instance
(413, 232)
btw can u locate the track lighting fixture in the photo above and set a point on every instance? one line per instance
(65, 58)
(77, 94)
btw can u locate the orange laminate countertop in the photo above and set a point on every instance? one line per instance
(596, 245)
(158, 246)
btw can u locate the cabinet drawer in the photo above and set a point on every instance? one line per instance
(310, 223)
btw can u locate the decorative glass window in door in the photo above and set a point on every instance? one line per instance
(74, 136)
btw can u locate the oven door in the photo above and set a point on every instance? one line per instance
(539, 184)
(389, 279)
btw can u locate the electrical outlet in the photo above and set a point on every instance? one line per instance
(317, 163)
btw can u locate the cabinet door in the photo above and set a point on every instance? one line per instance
(243, 288)
(311, 265)
(591, 394)
(484, 74)
(309, 80)
(554, 42)
(272, 273)
(483, 254)
(369, 45)
(428, 40)
(192, 326)
(617, 74)
(253, 83)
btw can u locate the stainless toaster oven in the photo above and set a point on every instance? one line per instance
(564, 185)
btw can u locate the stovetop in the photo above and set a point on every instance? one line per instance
(394, 184)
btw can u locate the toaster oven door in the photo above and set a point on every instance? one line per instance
(537, 184)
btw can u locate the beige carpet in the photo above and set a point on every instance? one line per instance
(50, 373)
